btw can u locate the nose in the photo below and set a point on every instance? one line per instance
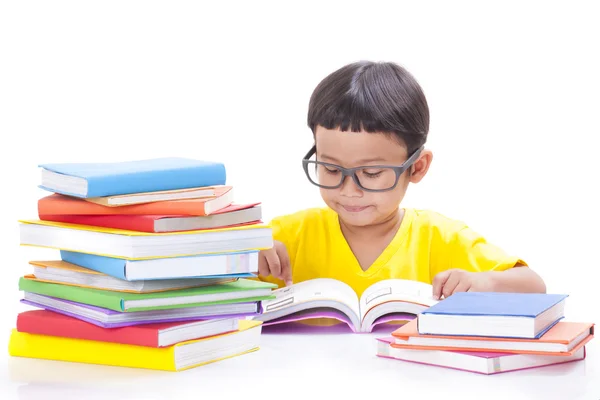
(349, 188)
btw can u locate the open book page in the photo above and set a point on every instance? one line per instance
(314, 293)
(396, 290)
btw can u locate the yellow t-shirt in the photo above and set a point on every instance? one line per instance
(426, 243)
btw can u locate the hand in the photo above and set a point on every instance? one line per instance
(457, 280)
(276, 262)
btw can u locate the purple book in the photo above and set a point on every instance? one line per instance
(113, 319)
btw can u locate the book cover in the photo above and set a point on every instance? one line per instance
(234, 263)
(139, 223)
(150, 175)
(42, 322)
(528, 305)
(125, 355)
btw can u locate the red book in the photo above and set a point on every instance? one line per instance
(49, 323)
(233, 215)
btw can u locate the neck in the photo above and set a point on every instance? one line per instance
(382, 229)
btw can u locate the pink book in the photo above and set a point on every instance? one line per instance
(486, 363)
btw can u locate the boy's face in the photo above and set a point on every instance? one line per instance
(354, 205)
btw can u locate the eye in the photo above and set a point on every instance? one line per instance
(372, 173)
(331, 170)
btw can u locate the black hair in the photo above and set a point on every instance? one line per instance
(374, 97)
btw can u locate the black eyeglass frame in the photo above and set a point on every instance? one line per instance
(399, 170)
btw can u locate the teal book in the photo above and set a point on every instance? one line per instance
(86, 180)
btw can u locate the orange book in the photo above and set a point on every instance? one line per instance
(563, 339)
(58, 204)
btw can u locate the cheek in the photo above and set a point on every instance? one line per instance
(389, 200)
(327, 194)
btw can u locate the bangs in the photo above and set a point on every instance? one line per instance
(374, 98)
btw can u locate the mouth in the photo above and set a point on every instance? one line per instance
(354, 209)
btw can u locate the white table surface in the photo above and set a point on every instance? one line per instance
(330, 362)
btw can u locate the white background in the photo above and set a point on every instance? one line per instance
(513, 89)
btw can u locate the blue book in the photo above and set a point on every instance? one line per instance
(507, 315)
(218, 265)
(87, 180)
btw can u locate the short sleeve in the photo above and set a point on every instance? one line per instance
(469, 251)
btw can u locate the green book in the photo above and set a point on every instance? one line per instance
(240, 291)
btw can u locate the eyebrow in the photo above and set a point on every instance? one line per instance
(362, 161)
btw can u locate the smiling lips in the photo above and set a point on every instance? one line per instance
(354, 209)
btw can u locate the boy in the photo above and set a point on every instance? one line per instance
(370, 123)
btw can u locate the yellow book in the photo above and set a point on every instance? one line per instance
(181, 356)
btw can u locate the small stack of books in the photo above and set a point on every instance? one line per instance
(489, 333)
(153, 271)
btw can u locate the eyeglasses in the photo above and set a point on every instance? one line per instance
(372, 178)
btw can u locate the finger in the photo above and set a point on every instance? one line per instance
(463, 286)
(438, 283)
(451, 284)
(273, 262)
(263, 266)
(286, 267)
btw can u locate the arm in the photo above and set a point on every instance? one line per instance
(517, 279)
(520, 279)
(478, 266)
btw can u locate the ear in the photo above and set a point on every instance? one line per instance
(421, 166)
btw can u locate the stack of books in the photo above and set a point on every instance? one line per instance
(155, 268)
(489, 333)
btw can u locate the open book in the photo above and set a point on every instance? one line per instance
(387, 300)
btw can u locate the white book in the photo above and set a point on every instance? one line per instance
(163, 195)
(188, 223)
(325, 297)
(133, 244)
